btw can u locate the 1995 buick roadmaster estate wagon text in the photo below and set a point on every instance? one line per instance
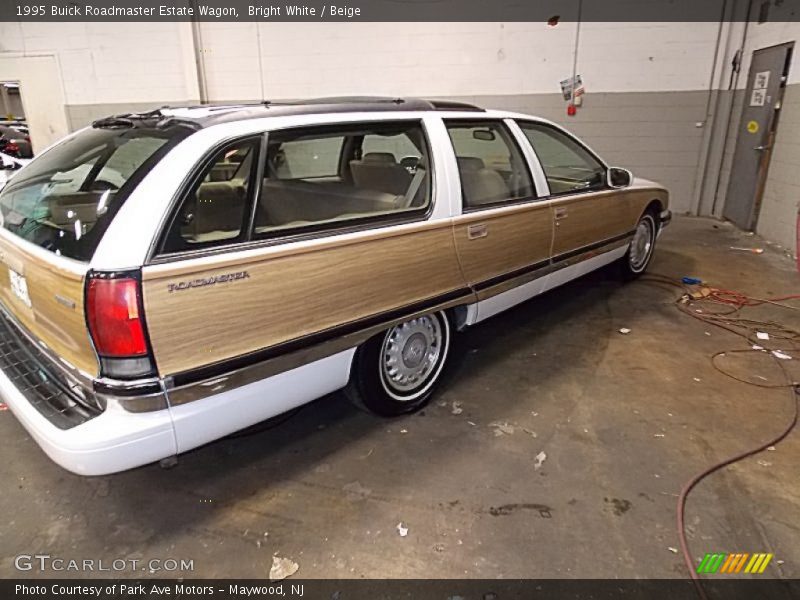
(171, 277)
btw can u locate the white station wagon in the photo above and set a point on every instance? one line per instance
(175, 276)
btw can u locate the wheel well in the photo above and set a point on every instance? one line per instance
(458, 317)
(654, 207)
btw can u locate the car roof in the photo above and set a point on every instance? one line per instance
(207, 115)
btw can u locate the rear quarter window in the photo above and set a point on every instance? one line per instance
(65, 199)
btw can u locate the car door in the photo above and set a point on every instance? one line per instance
(587, 213)
(315, 232)
(504, 233)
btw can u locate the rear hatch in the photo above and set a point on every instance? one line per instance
(53, 214)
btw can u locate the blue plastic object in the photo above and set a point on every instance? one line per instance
(692, 281)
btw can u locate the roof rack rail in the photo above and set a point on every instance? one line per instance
(337, 100)
(454, 105)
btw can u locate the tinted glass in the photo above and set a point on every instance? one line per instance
(65, 199)
(213, 212)
(334, 175)
(490, 164)
(567, 165)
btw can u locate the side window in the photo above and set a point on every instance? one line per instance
(491, 166)
(332, 175)
(213, 212)
(567, 165)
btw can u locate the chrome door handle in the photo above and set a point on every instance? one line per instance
(480, 230)
(762, 148)
(561, 213)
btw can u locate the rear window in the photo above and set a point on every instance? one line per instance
(65, 199)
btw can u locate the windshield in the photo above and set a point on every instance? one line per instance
(65, 199)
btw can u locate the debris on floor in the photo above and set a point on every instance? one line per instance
(761, 335)
(781, 355)
(282, 568)
(403, 531)
(692, 281)
(624, 331)
(530, 432)
(457, 410)
(753, 250)
(502, 428)
(673, 550)
(539, 460)
(356, 491)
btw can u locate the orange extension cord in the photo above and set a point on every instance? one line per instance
(732, 302)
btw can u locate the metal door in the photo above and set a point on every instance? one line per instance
(765, 85)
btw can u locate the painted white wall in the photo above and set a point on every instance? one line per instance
(142, 62)
(111, 62)
(771, 34)
(287, 60)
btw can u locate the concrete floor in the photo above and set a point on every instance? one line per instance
(624, 421)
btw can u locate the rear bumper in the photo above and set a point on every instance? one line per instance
(113, 441)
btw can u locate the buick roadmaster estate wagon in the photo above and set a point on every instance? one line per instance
(171, 277)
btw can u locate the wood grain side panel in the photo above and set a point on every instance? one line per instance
(289, 295)
(60, 325)
(592, 218)
(638, 201)
(515, 238)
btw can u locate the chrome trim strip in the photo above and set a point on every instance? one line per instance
(552, 267)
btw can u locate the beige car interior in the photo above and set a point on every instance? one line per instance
(378, 184)
(479, 184)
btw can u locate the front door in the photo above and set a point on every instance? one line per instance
(762, 103)
(585, 211)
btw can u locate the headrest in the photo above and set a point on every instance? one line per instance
(381, 157)
(470, 163)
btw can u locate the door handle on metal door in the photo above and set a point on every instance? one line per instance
(480, 230)
(762, 148)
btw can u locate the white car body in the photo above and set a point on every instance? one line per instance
(118, 439)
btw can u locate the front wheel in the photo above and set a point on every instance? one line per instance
(640, 251)
(396, 372)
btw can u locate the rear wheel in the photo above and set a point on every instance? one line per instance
(640, 251)
(396, 372)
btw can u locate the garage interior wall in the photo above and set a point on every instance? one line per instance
(658, 97)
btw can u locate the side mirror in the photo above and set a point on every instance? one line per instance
(619, 178)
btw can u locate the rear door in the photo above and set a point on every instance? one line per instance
(332, 229)
(504, 233)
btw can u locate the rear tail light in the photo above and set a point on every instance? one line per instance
(11, 147)
(116, 324)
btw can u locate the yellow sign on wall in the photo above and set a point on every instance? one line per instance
(752, 127)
